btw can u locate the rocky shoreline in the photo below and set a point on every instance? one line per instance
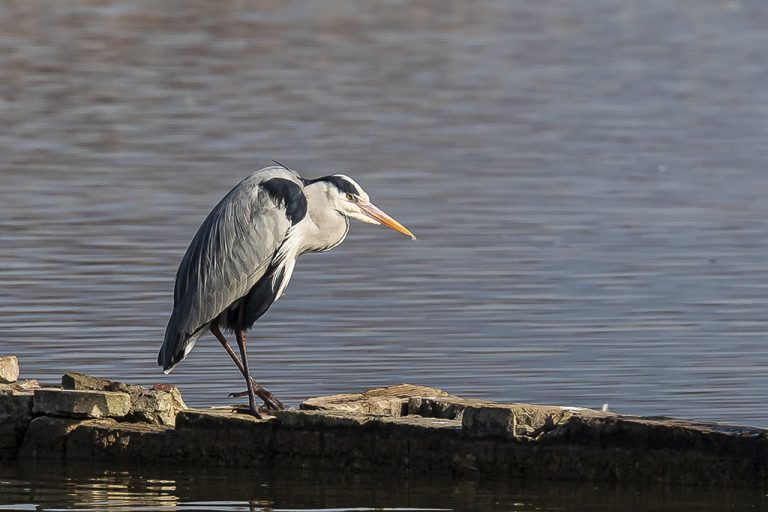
(397, 428)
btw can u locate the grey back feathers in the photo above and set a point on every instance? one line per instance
(245, 250)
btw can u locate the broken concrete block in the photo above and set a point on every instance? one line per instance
(20, 387)
(389, 401)
(158, 405)
(215, 420)
(15, 415)
(84, 382)
(46, 438)
(226, 438)
(127, 442)
(514, 421)
(9, 369)
(416, 424)
(16, 406)
(447, 407)
(321, 419)
(81, 404)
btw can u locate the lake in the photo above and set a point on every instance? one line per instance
(587, 181)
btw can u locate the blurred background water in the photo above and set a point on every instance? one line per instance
(587, 181)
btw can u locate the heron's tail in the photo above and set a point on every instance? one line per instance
(176, 346)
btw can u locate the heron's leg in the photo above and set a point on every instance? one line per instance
(269, 399)
(214, 327)
(240, 336)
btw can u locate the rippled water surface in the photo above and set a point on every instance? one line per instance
(76, 487)
(588, 183)
(587, 180)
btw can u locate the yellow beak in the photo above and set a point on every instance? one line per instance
(376, 214)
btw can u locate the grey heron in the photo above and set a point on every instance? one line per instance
(244, 253)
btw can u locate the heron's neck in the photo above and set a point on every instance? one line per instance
(326, 228)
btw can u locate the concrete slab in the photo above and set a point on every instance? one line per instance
(158, 405)
(516, 421)
(224, 438)
(389, 401)
(46, 438)
(15, 415)
(322, 419)
(448, 407)
(81, 404)
(108, 440)
(20, 387)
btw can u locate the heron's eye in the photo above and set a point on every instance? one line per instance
(350, 197)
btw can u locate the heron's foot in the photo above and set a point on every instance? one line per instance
(257, 413)
(270, 401)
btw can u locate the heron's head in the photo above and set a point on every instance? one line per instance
(350, 200)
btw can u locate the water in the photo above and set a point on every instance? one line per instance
(76, 487)
(587, 181)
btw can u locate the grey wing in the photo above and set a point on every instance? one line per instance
(231, 251)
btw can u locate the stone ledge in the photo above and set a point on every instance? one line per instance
(388, 401)
(313, 419)
(117, 441)
(407, 428)
(334, 421)
(46, 438)
(517, 421)
(448, 407)
(15, 415)
(214, 419)
(81, 404)
(158, 405)
(19, 387)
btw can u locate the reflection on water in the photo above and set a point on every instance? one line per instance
(587, 181)
(86, 487)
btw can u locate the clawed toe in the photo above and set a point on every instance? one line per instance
(271, 402)
(258, 413)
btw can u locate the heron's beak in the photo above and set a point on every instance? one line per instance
(372, 211)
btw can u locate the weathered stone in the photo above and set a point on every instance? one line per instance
(155, 406)
(9, 369)
(17, 405)
(418, 423)
(335, 420)
(81, 404)
(168, 388)
(46, 438)
(19, 387)
(639, 433)
(15, 415)
(225, 438)
(128, 442)
(84, 382)
(302, 446)
(514, 421)
(158, 405)
(390, 401)
(214, 419)
(358, 442)
(321, 419)
(515, 440)
(449, 407)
